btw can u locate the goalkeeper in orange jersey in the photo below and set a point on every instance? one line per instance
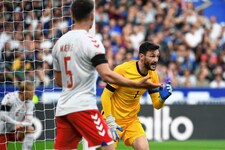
(121, 105)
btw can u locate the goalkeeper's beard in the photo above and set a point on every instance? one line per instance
(149, 66)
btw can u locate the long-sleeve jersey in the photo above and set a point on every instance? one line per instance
(14, 111)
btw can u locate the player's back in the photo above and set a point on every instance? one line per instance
(73, 53)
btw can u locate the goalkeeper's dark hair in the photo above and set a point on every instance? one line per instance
(81, 9)
(147, 46)
(26, 86)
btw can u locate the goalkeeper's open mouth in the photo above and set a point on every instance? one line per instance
(153, 66)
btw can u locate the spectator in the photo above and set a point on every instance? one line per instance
(188, 79)
(202, 80)
(186, 37)
(218, 81)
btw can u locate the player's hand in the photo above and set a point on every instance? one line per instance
(113, 126)
(19, 126)
(166, 91)
(144, 83)
(22, 125)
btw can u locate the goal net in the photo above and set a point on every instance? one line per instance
(28, 31)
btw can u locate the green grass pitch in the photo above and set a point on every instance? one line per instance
(166, 145)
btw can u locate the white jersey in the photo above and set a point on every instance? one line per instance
(17, 110)
(72, 56)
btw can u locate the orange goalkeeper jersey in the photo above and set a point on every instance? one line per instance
(125, 101)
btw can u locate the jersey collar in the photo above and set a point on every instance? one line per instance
(139, 71)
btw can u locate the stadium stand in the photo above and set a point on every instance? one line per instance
(192, 43)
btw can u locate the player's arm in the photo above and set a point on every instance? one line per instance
(56, 66)
(108, 93)
(155, 97)
(112, 77)
(4, 112)
(106, 105)
(159, 95)
(58, 78)
(106, 99)
(6, 106)
(4, 115)
(99, 61)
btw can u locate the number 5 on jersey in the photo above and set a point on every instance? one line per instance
(68, 72)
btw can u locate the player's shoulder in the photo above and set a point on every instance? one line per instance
(130, 65)
(80, 34)
(94, 44)
(29, 103)
(72, 35)
(154, 74)
(127, 64)
(93, 40)
(10, 97)
(12, 94)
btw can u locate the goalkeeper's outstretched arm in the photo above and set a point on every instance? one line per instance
(160, 95)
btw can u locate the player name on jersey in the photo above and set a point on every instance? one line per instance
(66, 48)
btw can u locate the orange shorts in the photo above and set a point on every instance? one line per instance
(132, 129)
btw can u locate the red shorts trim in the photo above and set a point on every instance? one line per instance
(88, 124)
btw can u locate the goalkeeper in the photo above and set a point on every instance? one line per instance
(121, 105)
(16, 115)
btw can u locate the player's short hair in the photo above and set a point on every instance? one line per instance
(81, 9)
(147, 46)
(26, 86)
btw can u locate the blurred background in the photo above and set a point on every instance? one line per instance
(191, 35)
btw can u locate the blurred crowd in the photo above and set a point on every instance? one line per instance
(192, 46)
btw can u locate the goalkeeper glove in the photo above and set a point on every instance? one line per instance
(166, 91)
(113, 126)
